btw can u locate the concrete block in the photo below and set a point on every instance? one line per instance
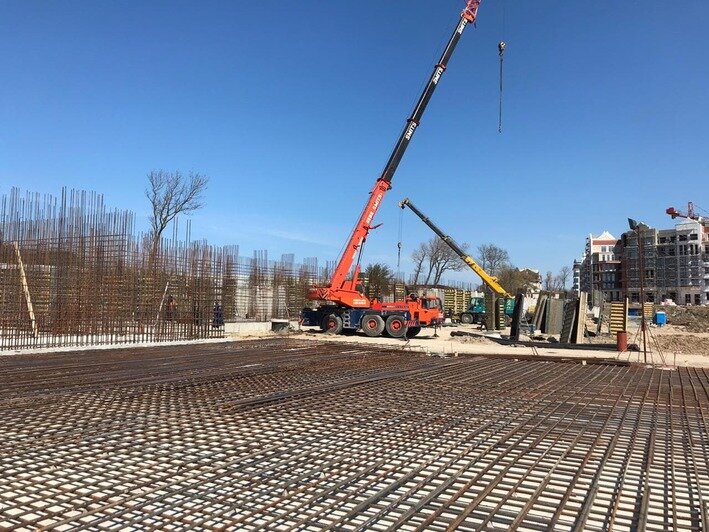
(247, 327)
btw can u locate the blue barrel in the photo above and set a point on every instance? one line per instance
(660, 318)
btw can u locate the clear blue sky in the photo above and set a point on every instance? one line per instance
(292, 109)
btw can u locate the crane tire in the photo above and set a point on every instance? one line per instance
(372, 325)
(332, 324)
(466, 318)
(396, 326)
(413, 331)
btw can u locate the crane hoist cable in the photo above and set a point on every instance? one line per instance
(698, 208)
(399, 244)
(501, 48)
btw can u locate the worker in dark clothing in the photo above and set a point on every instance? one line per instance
(218, 317)
(171, 308)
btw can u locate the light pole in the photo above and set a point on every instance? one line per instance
(637, 228)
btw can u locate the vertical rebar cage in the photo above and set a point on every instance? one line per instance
(74, 273)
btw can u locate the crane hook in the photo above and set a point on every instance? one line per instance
(501, 47)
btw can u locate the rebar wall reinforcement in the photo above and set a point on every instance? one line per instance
(74, 273)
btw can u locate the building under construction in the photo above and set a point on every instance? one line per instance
(296, 433)
(675, 264)
(73, 272)
(299, 434)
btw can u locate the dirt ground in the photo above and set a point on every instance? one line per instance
(691, 319)
(686, 332)
(683, 341)
(668, 345)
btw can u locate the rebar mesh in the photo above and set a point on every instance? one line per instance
(73, 273)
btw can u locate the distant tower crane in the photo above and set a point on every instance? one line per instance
(679, 214)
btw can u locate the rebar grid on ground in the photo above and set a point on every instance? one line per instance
(286, 434)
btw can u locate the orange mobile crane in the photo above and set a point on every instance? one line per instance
(342, 303)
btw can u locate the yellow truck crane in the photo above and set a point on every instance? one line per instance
(477, 305)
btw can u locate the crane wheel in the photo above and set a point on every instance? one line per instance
(413, 331)
(332, 324)
(372, 325)
(396, 326)
(466, 318)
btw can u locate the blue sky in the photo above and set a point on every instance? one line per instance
(292, 110)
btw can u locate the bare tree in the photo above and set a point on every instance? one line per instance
(549, 282)
(170, 194)
(433, 254)
(418, 257)
(562, 278)
(493, 259)
(448, 260)
(438, 257)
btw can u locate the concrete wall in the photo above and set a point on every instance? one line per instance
(246, 327)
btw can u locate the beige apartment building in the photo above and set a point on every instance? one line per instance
(675, 264)
(599, 269)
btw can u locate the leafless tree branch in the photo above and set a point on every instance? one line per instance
(170, 194)
(493, 259)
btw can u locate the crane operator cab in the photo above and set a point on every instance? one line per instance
(426, 302)
(432, 303)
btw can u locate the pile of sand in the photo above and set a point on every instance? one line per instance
(683, 343)
(692, 319)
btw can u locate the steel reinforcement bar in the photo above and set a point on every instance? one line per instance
(295, 435)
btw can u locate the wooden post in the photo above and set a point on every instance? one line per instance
(157, 318)
(26, 290)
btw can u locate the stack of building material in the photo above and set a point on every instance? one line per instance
(580, 330)
(549, 314)
(517, 315)
(494, 312)
(649, 310)
(540, 311)
(554, 316)
(570, 314)
(618, 316)
(456, 300)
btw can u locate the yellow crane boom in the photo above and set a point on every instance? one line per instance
(488, 279)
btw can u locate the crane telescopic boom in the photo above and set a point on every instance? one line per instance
(341, 290)
(488, 279)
